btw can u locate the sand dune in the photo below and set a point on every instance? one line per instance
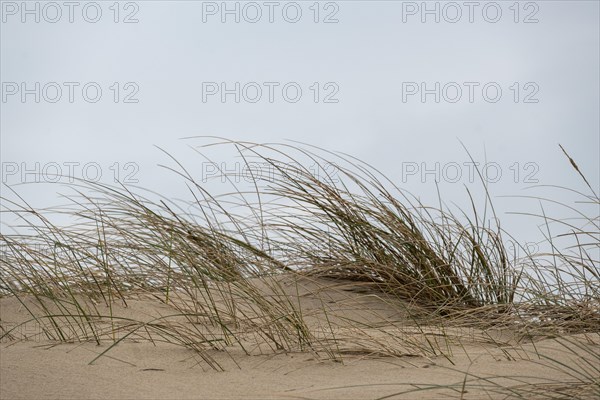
(381, 352)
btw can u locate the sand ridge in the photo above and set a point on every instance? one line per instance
(376, 356)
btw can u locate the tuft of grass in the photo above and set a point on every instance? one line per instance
(227, 274)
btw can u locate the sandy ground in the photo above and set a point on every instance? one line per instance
(138, 369)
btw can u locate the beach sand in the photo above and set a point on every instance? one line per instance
(372, 362)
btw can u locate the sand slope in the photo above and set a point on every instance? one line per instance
(366, 325)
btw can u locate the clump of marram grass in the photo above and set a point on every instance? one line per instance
(419, 253)
(357, 225)
(125, 245)
(219, 270)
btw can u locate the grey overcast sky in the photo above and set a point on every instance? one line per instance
(96, 85)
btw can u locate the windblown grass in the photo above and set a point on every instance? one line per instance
(227, 275)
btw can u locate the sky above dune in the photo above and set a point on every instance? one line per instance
(90, 89)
